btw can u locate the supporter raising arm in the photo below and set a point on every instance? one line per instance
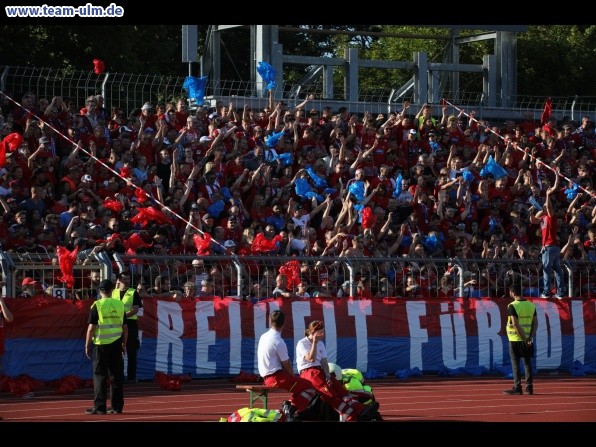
(551, 250)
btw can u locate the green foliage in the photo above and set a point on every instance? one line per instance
(558, 60)
(555, 60)
(124, 49)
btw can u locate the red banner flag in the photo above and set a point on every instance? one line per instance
(150, 214)
(368, 218)
(203, 244)
(548, 109)
(113, 205)
(98, 66)
(66, 260)
(10, 143)
(262, 245)
(291, 270)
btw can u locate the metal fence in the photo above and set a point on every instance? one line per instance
(254, 277)
(45, 270)
(130, 91)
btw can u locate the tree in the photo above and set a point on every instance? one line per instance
(557, 60)
(553, 60)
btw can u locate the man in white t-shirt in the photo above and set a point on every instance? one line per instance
(276, 369)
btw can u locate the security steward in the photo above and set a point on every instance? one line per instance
(132, 302)
(107, 333)
(522, 324)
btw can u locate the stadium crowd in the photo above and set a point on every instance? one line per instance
(289, 181)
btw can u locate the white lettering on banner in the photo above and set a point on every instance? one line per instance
(416, 309)
(235, 321)
(205, 337)
(261, 325)
(330, 330)
(453, 328)
(300, 313)
(488, 321)
(359, 309)
(579, 330)
(169, 355)
(549, 341)
(170, 328)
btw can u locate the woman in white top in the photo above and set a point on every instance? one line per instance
(311, 361)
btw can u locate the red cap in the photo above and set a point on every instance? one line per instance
(27, 281)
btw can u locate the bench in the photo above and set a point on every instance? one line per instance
(258, 392)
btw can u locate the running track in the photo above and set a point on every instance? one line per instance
(561, 398)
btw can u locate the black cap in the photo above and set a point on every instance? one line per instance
(106, 285)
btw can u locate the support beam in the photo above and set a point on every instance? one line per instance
(352, 91)
(475, 38)
(420, 78)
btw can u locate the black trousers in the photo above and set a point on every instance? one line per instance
(132, 346)
(108, 363)
(519, 350)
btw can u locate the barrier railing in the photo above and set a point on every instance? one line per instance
(254, 277)
(45, 270)
(129, 91)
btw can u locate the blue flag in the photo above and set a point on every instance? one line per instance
(271, 140)
(215, 209)
(357, 190)
(195, 88)
(318, 181)
(572, 192)
(267, 72)
(494, 168)
(398, 186)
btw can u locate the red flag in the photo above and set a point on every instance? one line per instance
(113, 237)
(2, 154)
(10, 143)
(548, 109)
(140, 194)
(168, 382)
(134, 242)
(125, 172)
(368, 218)
(291, 270)
(13, 140)
(262, 244)
(146, 215)
(98, 66)
(113, 204)
(203, 244)
(66, 260)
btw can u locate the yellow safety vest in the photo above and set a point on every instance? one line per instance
(421, 121)
(127, 300)
(253, 415)
(348, 373)
(525, 314)
(111, 318)
(353, 380)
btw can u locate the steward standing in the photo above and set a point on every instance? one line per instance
(521, 329)
(132, 302)
(107, 332)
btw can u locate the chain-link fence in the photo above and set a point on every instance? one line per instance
(254, 278)
(129, 92)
